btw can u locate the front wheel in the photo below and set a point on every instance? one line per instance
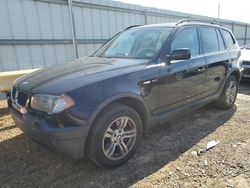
(114, 136)
(229, 93)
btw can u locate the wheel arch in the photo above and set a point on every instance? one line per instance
(132, 100)
(236, 73)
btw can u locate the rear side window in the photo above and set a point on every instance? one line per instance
(187, 38)
(209, 39)
(220, 40)
(228, 39)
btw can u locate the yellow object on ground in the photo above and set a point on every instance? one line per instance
(7, 78)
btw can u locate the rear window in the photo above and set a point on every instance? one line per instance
(209, 39)
(228, 39)
(220, 40)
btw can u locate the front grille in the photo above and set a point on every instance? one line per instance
(245, 62)
(18, 97)
(22, 98)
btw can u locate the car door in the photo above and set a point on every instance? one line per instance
(216, 55)
(231, 46)
(182, 81)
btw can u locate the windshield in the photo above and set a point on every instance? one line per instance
(137, 43)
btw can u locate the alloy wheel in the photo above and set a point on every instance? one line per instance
(231, 92)
(119, 138)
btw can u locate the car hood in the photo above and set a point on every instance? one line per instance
(61, 78)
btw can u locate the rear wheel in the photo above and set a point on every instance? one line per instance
(114, 136)
(229, 93)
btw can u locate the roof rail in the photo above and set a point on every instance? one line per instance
(132, 26)
(197, 20)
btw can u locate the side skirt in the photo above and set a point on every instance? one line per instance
(185, 109)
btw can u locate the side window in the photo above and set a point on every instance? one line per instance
(209, 39)
(187, 38)
(221, 43)
(228, 39)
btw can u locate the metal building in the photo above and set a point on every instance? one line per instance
(39, 33)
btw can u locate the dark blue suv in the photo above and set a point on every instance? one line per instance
(100, 105)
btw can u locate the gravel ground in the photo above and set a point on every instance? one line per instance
(167, 156)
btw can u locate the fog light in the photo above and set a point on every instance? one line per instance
(23, 110)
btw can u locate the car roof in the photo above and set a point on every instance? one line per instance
(159, 25)
(176, 24)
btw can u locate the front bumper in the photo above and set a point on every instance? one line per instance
(69, 141)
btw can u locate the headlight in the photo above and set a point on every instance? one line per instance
(50, 103)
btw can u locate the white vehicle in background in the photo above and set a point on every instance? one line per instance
(245, 61)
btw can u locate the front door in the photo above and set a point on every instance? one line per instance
(182, 81)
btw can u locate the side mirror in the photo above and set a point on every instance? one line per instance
(180, 54)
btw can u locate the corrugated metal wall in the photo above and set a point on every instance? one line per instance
(38, 33)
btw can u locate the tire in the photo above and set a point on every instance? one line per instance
(116, 126)
(229, 93)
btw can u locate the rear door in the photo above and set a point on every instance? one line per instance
(231, 46)
(216, 55)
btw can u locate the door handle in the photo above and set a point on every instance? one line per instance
(201, 69)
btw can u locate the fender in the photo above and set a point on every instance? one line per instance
(230, 72)
(115, 98)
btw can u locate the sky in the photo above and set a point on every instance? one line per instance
(237, 10)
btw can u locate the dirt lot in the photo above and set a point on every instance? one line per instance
(166, 157)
